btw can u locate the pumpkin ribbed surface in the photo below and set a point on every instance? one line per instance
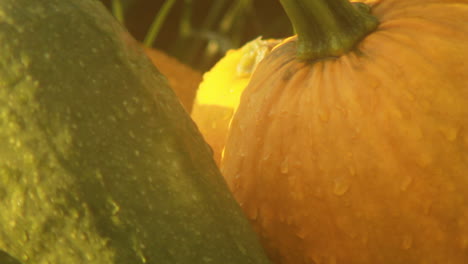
(361, 158)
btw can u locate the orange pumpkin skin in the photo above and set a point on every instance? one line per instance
(362, 158)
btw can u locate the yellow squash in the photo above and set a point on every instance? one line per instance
(219, 94)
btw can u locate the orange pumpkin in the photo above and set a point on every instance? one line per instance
(361, 157)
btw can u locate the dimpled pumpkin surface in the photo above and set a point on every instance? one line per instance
(361, 158)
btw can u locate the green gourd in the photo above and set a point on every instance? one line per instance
(99, 163)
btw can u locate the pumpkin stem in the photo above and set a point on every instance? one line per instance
(328, 27)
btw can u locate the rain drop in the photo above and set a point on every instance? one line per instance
(450, 133)
(407, 242)
(340, 186)
(406, 182)
(207, 259)
(302, 233)
(324, 115)
(89, 256)
(464, 243)
(424, 160)
(284, 167)
(25, 236)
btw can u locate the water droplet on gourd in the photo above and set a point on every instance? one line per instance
(241, 248)
(129, 107)
(406, 182)
(25, 236)
(207, 259)
(284, 167)
(407, 242)
(74, 214)
(340, 186)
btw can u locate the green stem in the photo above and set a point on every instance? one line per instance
(212, 16)
(118, 10)
(158, 22)
(185, 26)
(327, 28)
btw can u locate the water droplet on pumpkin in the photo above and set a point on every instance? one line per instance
(324, 115)
(302, 233)
(343, 111)
(450, 186)
(318, 192)
(364, 239)
(464, 243)
(397, 113)
(424, 159)
(284, 167)
(407, 242)
(340, 186)
(253, 214)
(450, 133)
(410, 96)
(406, 182)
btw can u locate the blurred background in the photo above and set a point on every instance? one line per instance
(199, 32)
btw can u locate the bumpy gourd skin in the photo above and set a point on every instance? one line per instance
(99, 162)
(362, 158)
